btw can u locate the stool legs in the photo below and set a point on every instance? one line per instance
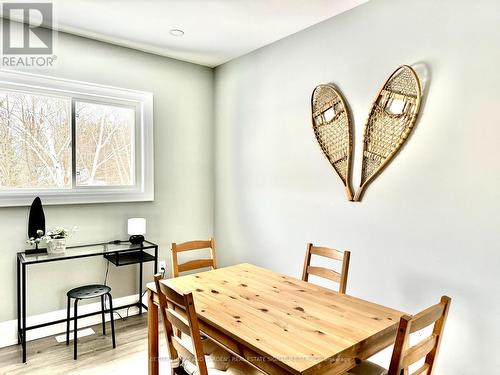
(67, 320)
(75, 321)
(103, 316)
(112, 319)
(75, 328)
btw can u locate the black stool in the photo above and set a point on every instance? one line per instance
(86, 292)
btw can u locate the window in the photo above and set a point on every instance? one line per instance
(73, 142)
(35, 141)
(104, 144)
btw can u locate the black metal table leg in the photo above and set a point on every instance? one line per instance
(140, 288)
(156, 260)
(18, 301)
(23, 310)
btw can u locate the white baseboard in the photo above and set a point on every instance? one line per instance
(8, 329)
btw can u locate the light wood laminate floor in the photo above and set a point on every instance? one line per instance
(95, 353)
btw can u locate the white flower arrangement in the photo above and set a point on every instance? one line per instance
(54, 234)
(35, 241)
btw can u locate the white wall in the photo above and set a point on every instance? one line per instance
(183, 206)
(429, 224)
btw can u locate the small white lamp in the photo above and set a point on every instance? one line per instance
(136, 230)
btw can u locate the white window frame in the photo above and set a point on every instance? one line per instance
(141, 191)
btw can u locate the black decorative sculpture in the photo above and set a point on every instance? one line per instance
(36, 222)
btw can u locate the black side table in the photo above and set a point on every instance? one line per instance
(120, 254)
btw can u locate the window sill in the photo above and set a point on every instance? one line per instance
(75, 197)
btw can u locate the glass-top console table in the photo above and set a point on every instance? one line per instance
(120, 254)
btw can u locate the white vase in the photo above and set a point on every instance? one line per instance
(56, 246)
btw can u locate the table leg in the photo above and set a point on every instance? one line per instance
(23, 310)
(18, 301)
(152, 335)
(140, 288)
(156, 260)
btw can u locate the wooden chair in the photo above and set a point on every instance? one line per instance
(193, 264)
(403, 355)
(191, 354)
(340, 278)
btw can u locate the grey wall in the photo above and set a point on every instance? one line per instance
(429, 224)
(183, 206)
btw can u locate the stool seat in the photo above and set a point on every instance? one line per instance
(88, 291)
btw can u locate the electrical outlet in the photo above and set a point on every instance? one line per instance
(162, 265)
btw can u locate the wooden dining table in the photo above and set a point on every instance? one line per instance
(278, 323)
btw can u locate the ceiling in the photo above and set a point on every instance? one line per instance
(215, 31)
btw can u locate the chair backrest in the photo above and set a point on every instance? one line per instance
(193, 264)
(327, 273)
(186, 322)
(403, 355)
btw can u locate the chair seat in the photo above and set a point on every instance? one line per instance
(367, 368)
(218, 360)
(88, 291)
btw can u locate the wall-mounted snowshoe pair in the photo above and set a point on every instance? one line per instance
(390, 121)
